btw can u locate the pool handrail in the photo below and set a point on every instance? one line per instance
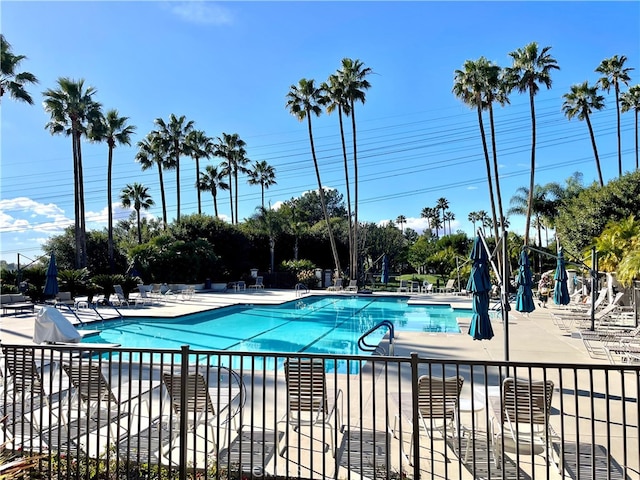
(363, 345)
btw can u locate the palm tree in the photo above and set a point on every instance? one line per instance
(530, 68)
(270, 223)
(72, 110)
(546, 200)
(150, 153)
(212, 180)
(174, 135)
(449, 216)
(581, 101)
(334, 98)
(401, 220)
(136, 195)
(613, 74)
(199, 146)
(473, 218)
(303, 100)
(436, 223)
(442, 204)
(429, 213)
(262, 174)
(352, 76)
(10, 81)
(495, 90)
(484, 219)
(630, 101)
(113, 129)
(230, 147)
(470, 85)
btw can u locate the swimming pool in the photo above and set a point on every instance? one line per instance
(316, 324)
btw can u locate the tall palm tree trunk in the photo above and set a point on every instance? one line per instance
(162, 197)
(110, 209)
(533, 167)
(355, 256)
(76, 193)
(595, 149)
(139, 227)
(352, 270)
(215, 204)
(488, 167)
(323, 203)
(495, 168)
(636, 136)
(178, 184)
(235, 179)
(231, 194)
(83, 225)
(198, 183)
(619, 139)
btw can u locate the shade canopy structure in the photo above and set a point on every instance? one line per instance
(524, 296)
(384, 277)
(480, 285)
(560, 289)
(51, 278)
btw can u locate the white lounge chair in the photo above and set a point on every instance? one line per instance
(259, 283)
(522, 426)
(308, 402)
(438, 406)
(337, 286)
(200, 408)
(449, 287)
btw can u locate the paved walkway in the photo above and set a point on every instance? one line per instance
(532, 338)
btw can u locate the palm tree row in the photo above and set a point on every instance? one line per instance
(481, 217)
(75, 112)
(339, 93)
(481, 83)
(584, 99)
(434, 220)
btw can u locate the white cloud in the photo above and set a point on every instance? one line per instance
(200, 12)
(472, 188)
(21, 214)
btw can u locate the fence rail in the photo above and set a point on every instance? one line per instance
(142, 413)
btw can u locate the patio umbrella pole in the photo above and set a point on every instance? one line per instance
(505, 294)
(594, 285)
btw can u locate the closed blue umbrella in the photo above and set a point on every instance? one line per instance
(524, 297)
(560, 289)
(51, 278)
(480, 285)
(384, 277)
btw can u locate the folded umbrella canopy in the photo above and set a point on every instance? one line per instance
(560, 289)
(524, 297)
(51, 278)
(480, 285)
(384, 277)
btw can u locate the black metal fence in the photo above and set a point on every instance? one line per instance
(108, 413)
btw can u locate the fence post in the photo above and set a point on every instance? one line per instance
(415, 426)
(184, 414)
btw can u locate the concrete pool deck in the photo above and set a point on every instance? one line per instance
(532, 337)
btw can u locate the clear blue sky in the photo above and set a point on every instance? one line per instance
(228, 66)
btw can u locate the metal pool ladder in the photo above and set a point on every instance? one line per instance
(363, 345)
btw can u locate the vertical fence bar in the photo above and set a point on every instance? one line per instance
(184, 372)
(414, 417)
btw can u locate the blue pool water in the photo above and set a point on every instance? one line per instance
(317, 324)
